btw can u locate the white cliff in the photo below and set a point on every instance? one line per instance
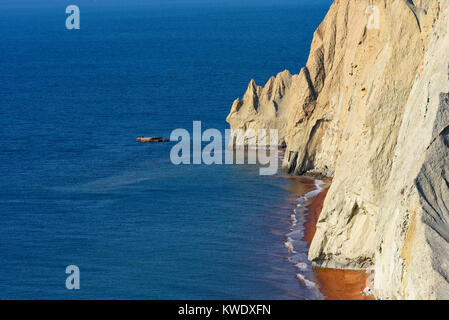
(370, 109)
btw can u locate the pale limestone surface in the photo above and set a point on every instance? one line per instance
(371, 110)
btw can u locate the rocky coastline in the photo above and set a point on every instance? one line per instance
(371, 111)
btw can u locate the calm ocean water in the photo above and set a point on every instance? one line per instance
(75, 187)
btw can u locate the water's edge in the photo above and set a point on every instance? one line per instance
(332, 284)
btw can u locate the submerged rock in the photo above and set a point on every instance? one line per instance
(151, 139)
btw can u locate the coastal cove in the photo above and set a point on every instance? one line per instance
(334, 284)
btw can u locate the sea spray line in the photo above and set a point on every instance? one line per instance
(309, 284)
(301, 266)
(303, 199)
(297, 233)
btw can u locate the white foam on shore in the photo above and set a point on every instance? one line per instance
(296, 235)
(294, 220)
(289, 245)
(297, 217)
(309, 284)
(301, 266)
(318, 184)
(299, 259)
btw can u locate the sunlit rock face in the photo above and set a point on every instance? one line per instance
(370, 109)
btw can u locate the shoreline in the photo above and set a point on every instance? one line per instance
(313, 213)
(333, 284)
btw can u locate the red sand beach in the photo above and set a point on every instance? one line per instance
(337, 284)
(334, 284)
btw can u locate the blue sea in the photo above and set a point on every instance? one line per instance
(76, 188)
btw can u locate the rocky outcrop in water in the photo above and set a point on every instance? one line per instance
(370, 109)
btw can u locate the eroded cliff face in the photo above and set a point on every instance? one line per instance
(370, 109)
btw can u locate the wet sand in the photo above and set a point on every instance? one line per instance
(301, 185)
(334, 284)
(337, 284)
(313, 214)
